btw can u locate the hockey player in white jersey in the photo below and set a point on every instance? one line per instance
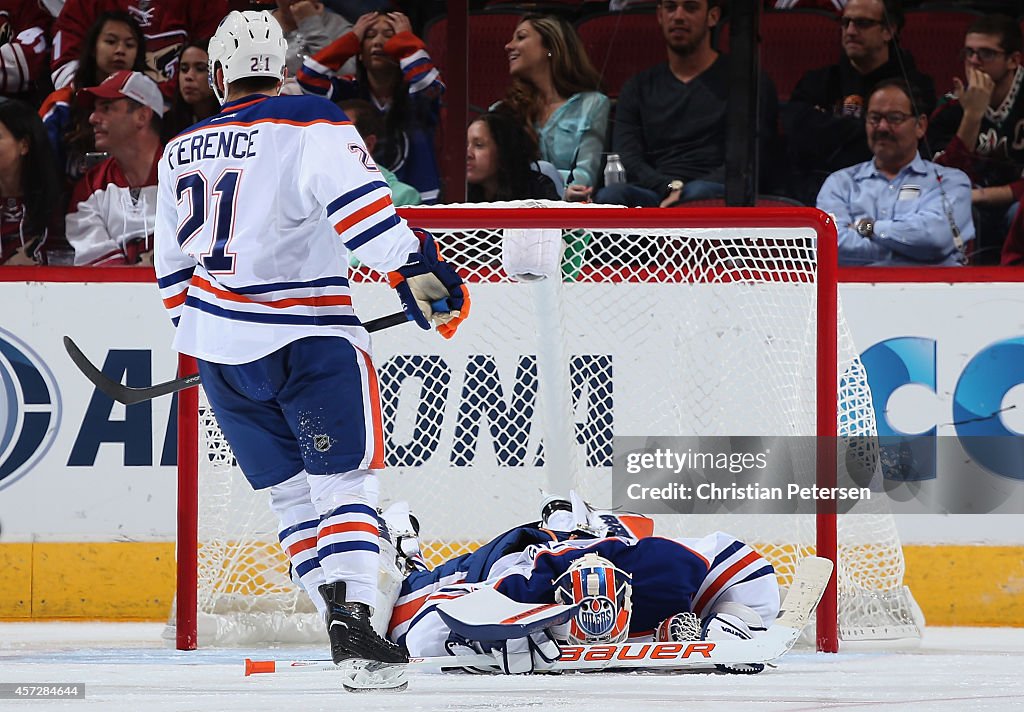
(259, 207)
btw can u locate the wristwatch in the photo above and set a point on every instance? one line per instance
(675, 185)
(865, 227)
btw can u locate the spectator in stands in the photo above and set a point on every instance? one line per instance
(897, 208)
(167, 26)
(978, 128)
(370, 125)
(309, 27)
(670, 120)
(555, 95)
(113, 43)
(194, 99)
(500, 162)
(1012, 253)
(24, 46)
(836, 5)
(28, 185)
(396, 75)
(113, 207)
(824, 118)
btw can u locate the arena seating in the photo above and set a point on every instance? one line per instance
(620, 44)
(934, 37)
(792, 42)
(489, 32)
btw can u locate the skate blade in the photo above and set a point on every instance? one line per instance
(372, 676)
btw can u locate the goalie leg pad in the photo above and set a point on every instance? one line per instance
(576, 515)
(733, 621)
(403, 529)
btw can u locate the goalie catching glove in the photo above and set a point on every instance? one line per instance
(728, 621)
(427, 278)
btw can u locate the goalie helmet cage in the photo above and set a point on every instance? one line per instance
(664, 322)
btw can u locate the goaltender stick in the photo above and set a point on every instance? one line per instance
(632, 587)
(258, 209)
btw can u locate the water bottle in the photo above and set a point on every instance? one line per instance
(614, 171)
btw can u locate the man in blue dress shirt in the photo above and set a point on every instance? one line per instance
(898, 209)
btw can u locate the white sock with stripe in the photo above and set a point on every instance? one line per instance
(347, 537)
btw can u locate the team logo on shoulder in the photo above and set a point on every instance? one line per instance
(322, 443)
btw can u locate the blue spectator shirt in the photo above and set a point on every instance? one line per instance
(912, 226)
(573, 137)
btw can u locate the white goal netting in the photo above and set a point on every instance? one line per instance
(651, 331)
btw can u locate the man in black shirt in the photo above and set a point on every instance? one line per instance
(824, 119)
(670, 120)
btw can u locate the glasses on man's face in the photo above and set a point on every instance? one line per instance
(861, 23)
(893, 118)
(985, 54)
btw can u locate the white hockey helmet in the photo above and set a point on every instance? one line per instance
(246, 44)
(605, 595)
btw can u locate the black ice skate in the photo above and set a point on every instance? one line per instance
(348, 625)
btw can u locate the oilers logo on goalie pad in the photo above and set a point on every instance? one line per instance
(605, 595)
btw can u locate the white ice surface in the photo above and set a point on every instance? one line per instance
(125, 667)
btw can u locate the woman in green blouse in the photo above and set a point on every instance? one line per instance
(555, 94)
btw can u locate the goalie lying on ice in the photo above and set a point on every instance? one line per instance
(633, 586)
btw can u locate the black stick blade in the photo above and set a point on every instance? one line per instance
(117, 391)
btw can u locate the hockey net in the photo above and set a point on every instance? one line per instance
(664, 322)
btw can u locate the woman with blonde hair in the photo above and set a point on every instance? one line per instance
(555, 93)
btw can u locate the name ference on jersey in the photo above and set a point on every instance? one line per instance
(212, 144)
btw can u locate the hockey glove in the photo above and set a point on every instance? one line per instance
(534, 653)
(457, 645)
(684, 626)
(427, 278)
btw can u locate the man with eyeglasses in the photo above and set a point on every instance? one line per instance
(979, 128)
(824, 118)
(897, 208)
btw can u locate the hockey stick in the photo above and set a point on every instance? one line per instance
(804, 594)
(130, 396)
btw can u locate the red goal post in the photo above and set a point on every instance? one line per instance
(616, 255)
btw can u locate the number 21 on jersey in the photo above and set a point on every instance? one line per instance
(193, 189)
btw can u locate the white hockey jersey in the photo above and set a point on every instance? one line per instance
(257, 210)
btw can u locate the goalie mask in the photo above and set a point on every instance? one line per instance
(605, 593)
